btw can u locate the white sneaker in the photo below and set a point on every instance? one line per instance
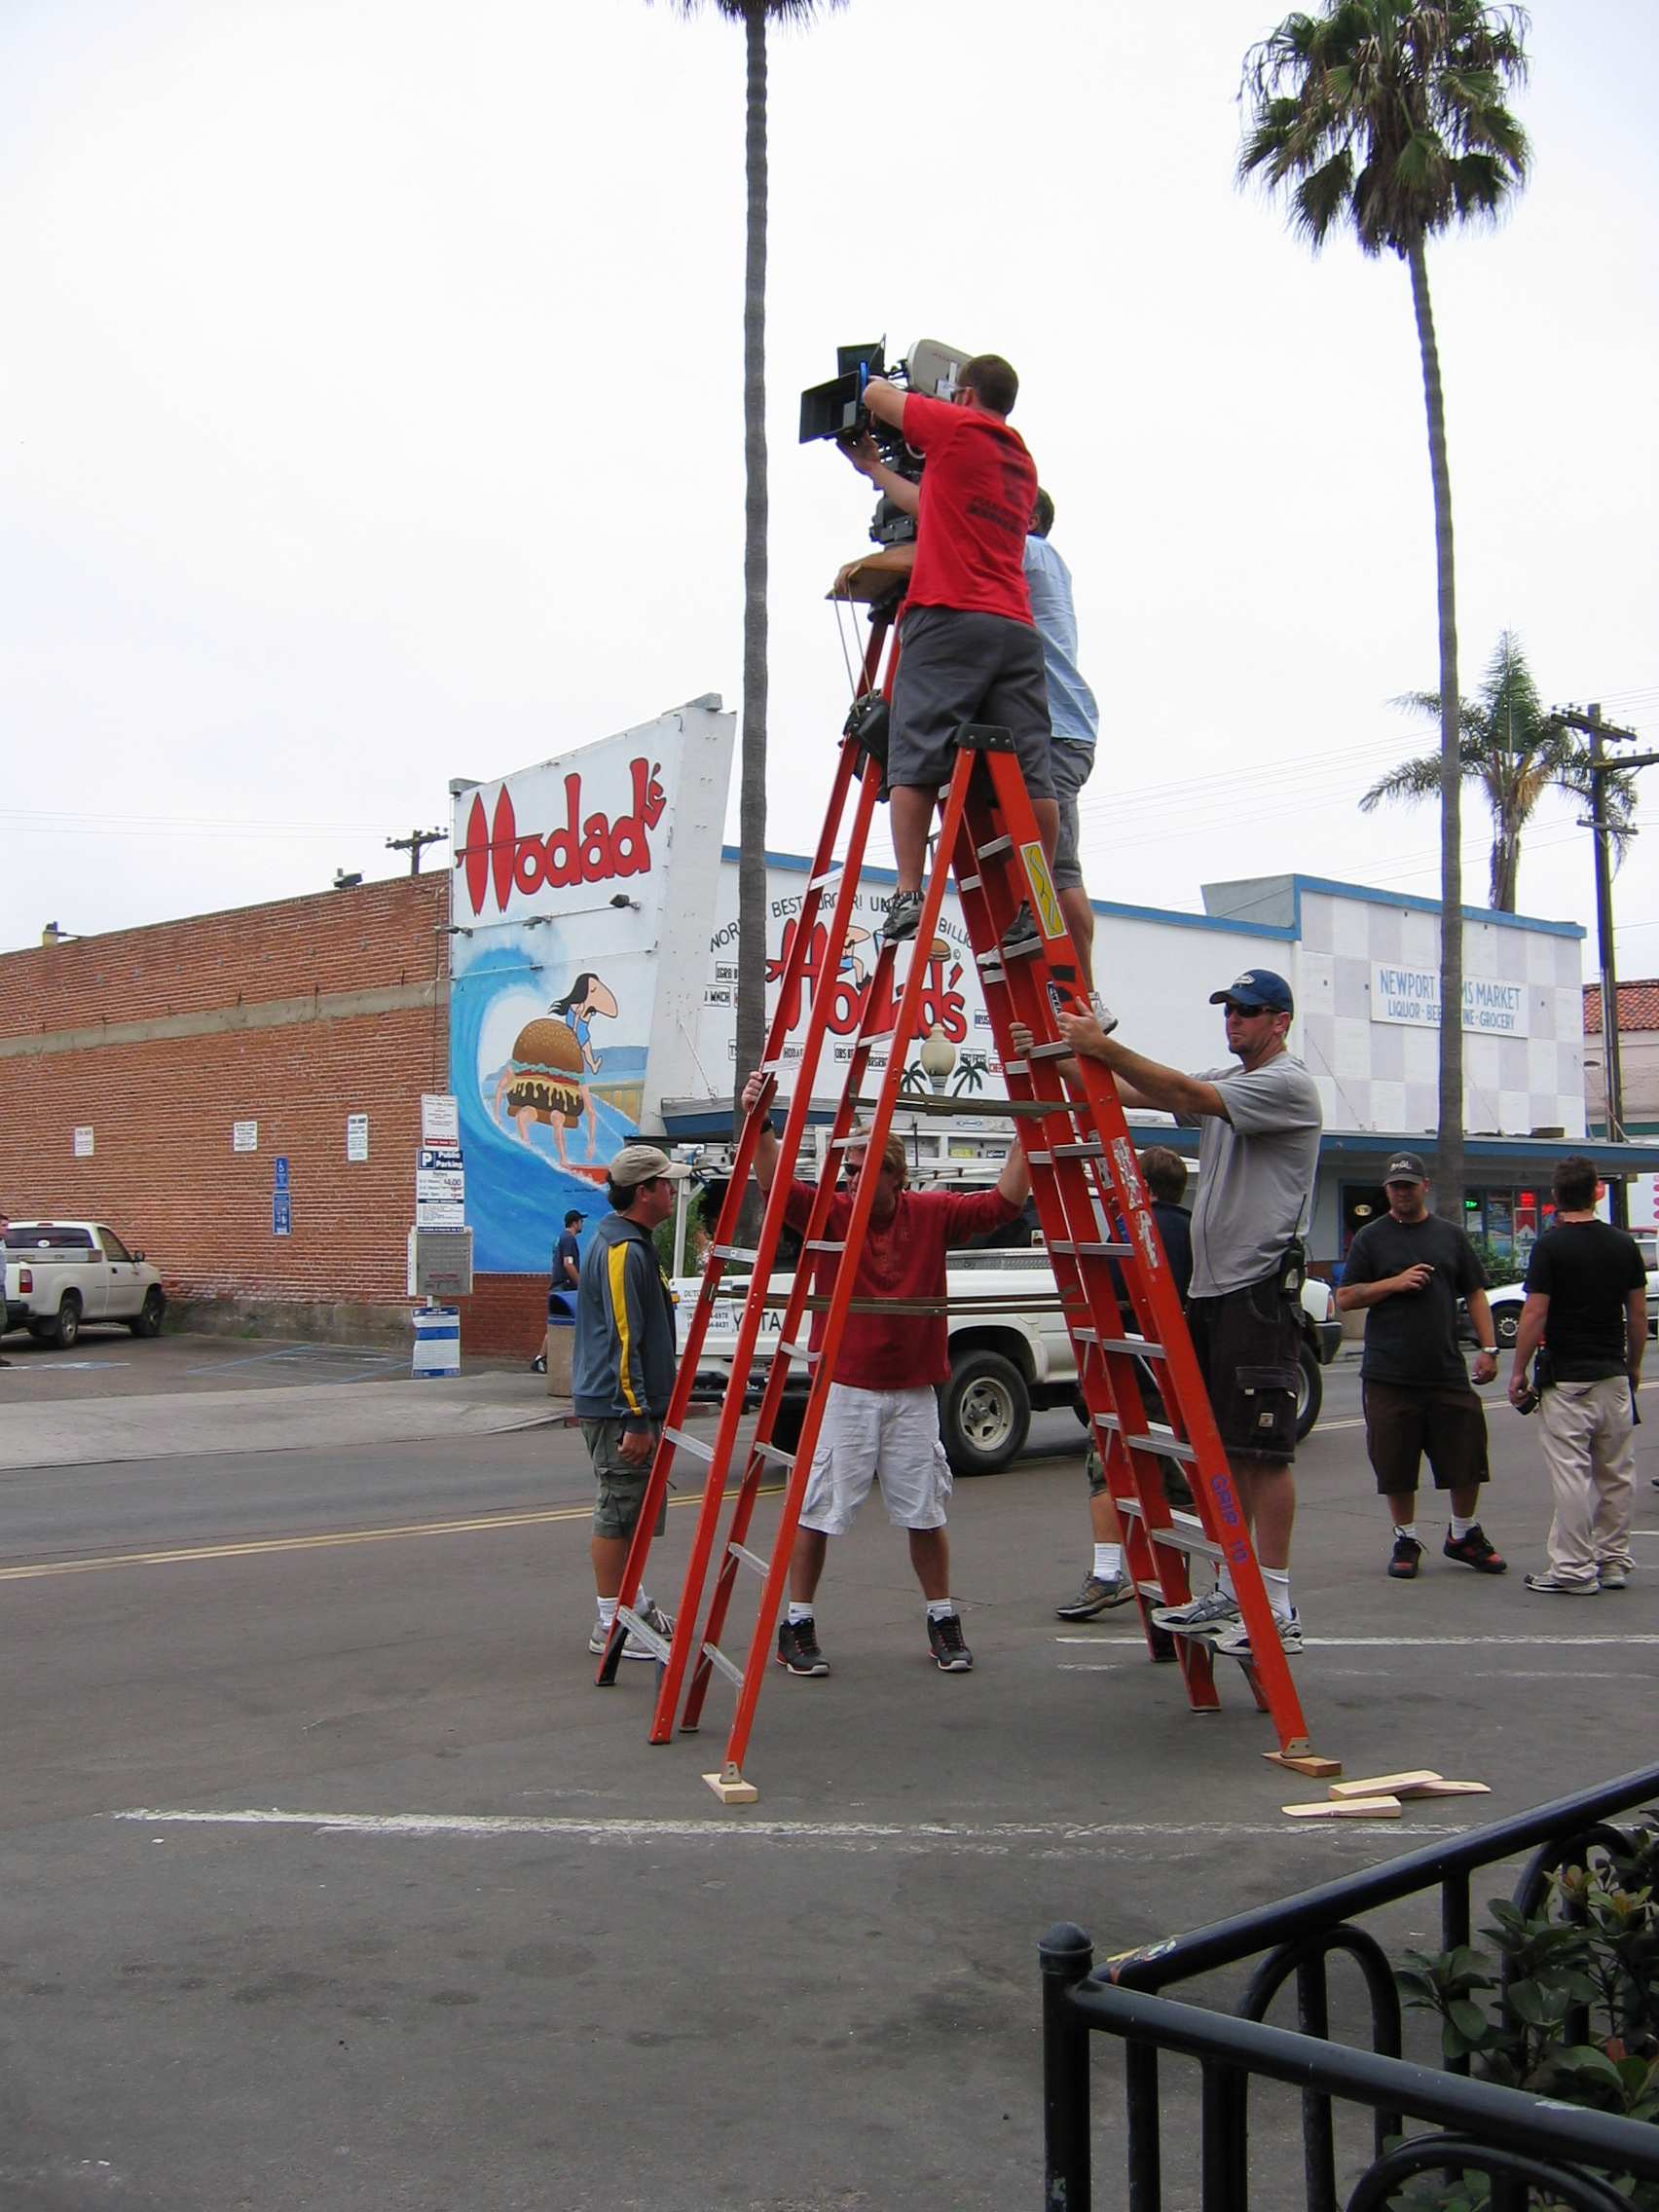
(1208, 1615)
(1234, 1642)
(653, 1618)
(1102, 1013)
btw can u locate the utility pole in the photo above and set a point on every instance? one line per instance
(1589, 724)
(415, 844)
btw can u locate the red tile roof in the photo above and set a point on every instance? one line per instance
(1639, 1007)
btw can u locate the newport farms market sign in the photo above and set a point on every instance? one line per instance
(1412, 996)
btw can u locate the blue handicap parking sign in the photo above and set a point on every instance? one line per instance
(282, 1167)
(282, 1214)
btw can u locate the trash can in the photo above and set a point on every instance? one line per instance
(437, 1339)
(561, 1343)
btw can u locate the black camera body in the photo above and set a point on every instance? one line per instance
(836, 410)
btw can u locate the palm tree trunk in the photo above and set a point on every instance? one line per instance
(751, 771)
(1449, 1176)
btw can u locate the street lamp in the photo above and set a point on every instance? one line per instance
(938, 1056)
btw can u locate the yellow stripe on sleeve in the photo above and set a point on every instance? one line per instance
(619, 1266)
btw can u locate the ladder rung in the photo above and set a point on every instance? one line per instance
(1003, 844)
(1136, 1347)
(1060, 1052)
(832, 875)
(986, 1108)
(716, 1658)
(774, 1452)
(683, 1443)
(638, 1630)
(826, 1244)
(1008, 1302)
(1163, 1442)
(732, 1252)
(970, 882)
(1107, 1250)
(797, 1351)
(1091, 1148)
(761, 1567)
(1173, 1539)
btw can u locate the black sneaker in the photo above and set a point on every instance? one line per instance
(1475, 1550)
(945, 1642)
(1098, 1595)
(798, 1647)
(903, 917)
(1023, 934)
(1407, 1558)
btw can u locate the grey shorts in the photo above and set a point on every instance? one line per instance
(1069, 768)
(620, 1488)
(956, 667)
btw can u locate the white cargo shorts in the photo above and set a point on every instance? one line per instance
(866, 1435)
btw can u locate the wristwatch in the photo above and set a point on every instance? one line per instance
(1488, 1351)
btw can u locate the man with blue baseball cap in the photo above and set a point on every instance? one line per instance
(1259, 1127)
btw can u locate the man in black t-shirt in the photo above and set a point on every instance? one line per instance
(1587, 1306)
(1406, 1271)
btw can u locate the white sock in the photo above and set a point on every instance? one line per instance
(1278, 1583)
(940, 1608)
(799, 1613)
(1460, 1528)
(1406, 1529)
(606, 1611)
(1108, 1561)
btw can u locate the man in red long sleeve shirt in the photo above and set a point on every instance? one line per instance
(881, 1417)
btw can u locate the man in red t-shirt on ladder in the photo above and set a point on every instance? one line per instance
(968, 651)
(881, 1417)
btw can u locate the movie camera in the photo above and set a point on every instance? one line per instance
(836, 410)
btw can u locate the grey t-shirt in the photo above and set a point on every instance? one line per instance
(1255, 1172)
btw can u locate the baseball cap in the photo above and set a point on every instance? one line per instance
(1405, 1168)
(640, 1162)
(1257, 988)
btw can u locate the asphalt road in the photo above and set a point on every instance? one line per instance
(330, 1881)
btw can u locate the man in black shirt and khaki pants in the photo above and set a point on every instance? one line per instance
(1587, 1306)
(1407, 1272)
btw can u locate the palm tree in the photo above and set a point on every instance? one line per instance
(753, 16)
(1512, 751)
(1387, 116)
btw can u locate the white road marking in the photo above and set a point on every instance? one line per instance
(1431, 1642)
(1052, 1839)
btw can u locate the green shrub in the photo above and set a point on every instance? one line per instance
(1568, 2008)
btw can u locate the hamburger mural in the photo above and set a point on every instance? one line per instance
(582, 903)
(546, 1081)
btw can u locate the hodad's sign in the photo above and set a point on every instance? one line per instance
(583, 894)
(1410, 996)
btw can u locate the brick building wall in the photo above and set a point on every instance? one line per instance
(292, 1016)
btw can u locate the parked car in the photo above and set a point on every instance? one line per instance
(62, 1273)
(1506, 1300)
(1004, 1365)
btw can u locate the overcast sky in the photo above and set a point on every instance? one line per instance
(370, 414)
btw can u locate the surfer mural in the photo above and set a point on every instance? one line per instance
(544, 1081)
(583, 900)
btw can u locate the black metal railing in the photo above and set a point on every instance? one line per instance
(1520, 2141)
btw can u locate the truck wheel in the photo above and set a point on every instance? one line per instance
(1506, 1325)
(63, 1331)
(1310, 1392)
(148, 1320)
(984, 1413)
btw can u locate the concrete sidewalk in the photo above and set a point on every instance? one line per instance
(95, 1430)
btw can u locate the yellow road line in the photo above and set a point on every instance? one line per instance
(342, 1536)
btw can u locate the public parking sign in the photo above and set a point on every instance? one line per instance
(282, 1214)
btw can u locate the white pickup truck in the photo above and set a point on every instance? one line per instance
(60, 1274)
(1004, 1365)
